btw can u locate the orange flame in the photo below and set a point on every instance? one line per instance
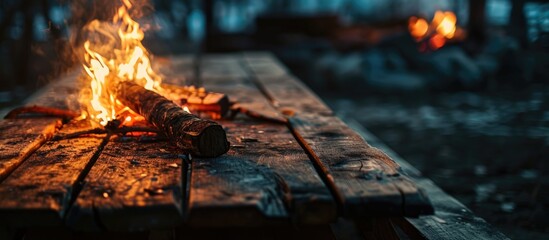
(114, 53)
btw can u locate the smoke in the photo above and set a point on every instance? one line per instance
(83, 12)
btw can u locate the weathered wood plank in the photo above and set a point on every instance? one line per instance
(264, 63)
(234, 191)
(246, 96)
(132, 186)
(62, 93)
(221, 66)
(291, 96)
(39, 191)
(368, 182)
(452, 220)
(265, 176)
(365, 181)
(280, 86)
(267, 165)
(21, 137)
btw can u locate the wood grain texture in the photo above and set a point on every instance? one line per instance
(452, 219)
(234, 191)
(291, 96)
(364, 180)
(21, 137)
(269, 178)
(39, 191)
(286, 92)
(132, 186)
(367, 182)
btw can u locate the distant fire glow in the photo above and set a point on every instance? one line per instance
(441, 29)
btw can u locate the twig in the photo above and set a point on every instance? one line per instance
(48, 111)
(120, 130)
(78, 134)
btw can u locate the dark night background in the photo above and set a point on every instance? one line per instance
(472, 115)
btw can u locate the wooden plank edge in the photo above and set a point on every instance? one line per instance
(445, 206)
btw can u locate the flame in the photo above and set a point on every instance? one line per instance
(114, 53)
(186, 109)
(441, 29)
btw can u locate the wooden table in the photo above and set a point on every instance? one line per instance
(300, 177)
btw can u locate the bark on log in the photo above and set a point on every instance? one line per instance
(199, 136)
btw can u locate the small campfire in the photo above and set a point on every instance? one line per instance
(123, 89)
(122, 94)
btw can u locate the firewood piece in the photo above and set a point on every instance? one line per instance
(199, 136)
(21, 137)
(46, 111)
(349, 165)
(40, 190)
(132, 186)
(210, 102)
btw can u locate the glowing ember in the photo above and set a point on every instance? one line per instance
(114, 53)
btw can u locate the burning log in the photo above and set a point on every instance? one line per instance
(201, 137)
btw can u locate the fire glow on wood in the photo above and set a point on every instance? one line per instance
(114, 53)
(441, 29)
